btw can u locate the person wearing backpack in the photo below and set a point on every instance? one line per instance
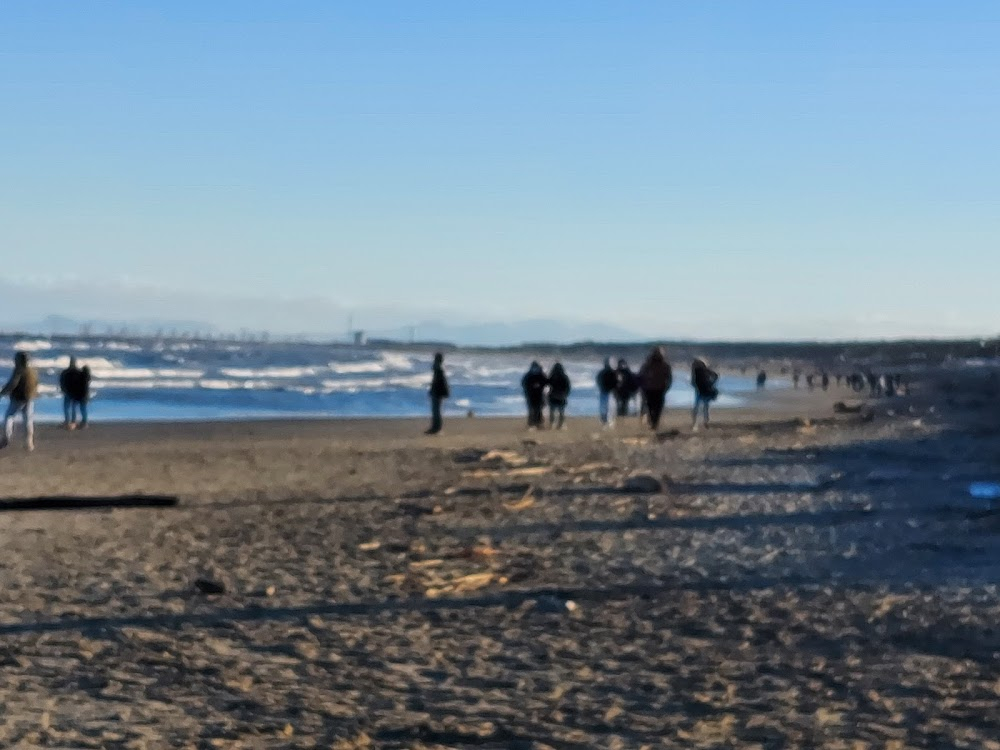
(22, 389)
(703, 380)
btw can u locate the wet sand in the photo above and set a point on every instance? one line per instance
(799, 579)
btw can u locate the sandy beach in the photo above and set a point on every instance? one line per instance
(793, 577)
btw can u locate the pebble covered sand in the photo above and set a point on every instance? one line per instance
(790, 578)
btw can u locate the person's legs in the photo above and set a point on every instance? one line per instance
(603, 403)
(436, 421)
(83, 413)
(562, 415)
(539, 414)
(654, 400)
(8, 422)
(705, 406)
(29, 425)
(694, 410)
(67, 411)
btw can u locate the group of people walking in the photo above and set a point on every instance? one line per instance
(617, 387)
(22, 389)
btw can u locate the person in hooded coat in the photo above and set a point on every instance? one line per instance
(439, 391)
(607, 383)
(559, 388)
(703, 380)
(655, 378)
(533, 383)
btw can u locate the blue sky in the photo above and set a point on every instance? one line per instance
(712, 170)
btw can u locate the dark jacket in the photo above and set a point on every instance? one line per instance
(628, 383)
(533, 383)
(607, 379)
(656, 374)
(75, 383)
(559, 386)
(703, 380)
(23, 384)
(439, 384)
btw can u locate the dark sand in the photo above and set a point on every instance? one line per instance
(793, 585)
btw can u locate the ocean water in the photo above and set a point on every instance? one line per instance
(154, 381)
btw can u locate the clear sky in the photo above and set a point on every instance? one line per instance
(681, 169)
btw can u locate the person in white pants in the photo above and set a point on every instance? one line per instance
(22, 389)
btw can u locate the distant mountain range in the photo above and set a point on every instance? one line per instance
(471, 334)
(508, 334)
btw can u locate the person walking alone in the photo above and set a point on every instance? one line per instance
(607, 383)
(533, 384)
(656, 377)
(559, 388)
(439, 392)
(22, 389)
(703, 380)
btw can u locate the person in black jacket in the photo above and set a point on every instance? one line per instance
(69, 384)
(703, 380)
(655, 378)
(533, 383)
(438, 393)
(607, 384)
(559, 388)
(628, 385)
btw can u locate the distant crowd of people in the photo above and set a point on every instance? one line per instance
(22, 389)
(877, 384)
(618, 387)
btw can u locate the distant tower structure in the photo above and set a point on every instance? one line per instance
(359, 338)
(413, 334)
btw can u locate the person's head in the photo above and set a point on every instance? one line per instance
(557, 367)
(607, 361)
(438, 359)
(622, 364)
(86, 369)
(21, 359)
(72, 363)
(535, 367)
(657, 354)
(699, 362)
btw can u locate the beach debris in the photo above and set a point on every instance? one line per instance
(889, 474)
(590, 468)
(665, 435)
(370, 546)
(635, 440)
(505, 458)
(479, 552)
(985, 490)
(209, 587)
(270, 591)
(844, 408)
(644, 483)
(469, 456)
(526, 501)
(553, 605)
(412, 509)
(470, 582)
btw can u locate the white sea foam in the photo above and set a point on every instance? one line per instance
(94, 363)
(270, 372)
(356, 368)
(36, 345)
